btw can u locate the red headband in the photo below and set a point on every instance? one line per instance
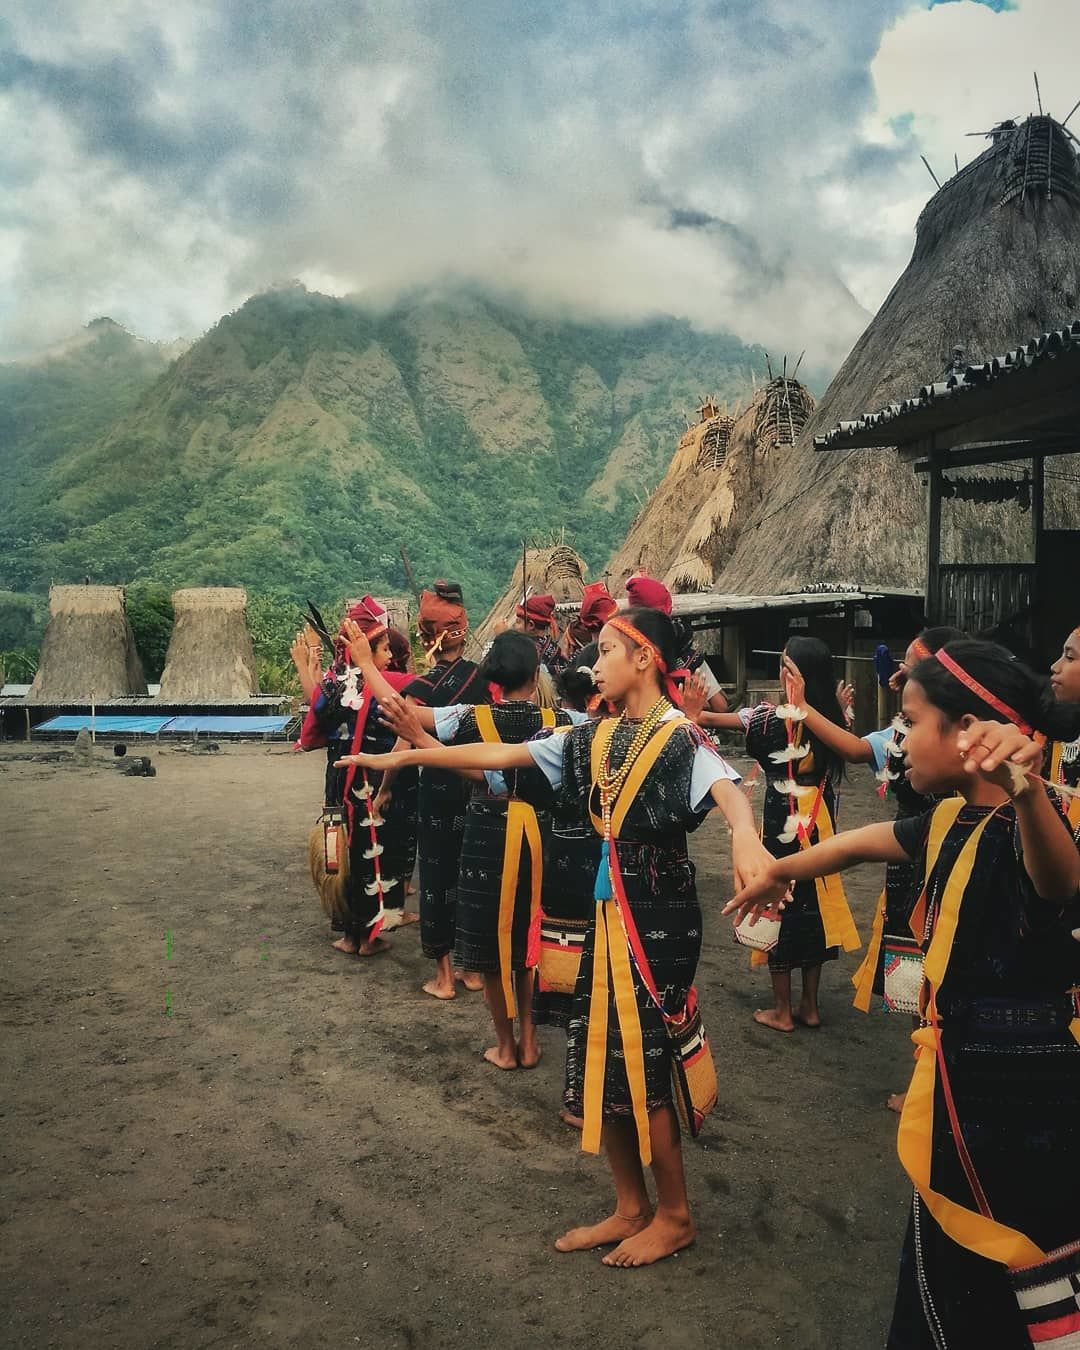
(638, 638)
(980, 691)
(921, 650)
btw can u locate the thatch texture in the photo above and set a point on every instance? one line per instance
(556, 570)
(210, 657)
(679, 536)
(88, 654)
(991, 266)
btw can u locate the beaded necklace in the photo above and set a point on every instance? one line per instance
(610, 784)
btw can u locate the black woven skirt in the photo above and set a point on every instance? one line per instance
(660, 888)
(476, 921)
(802, 934)
(440, 823)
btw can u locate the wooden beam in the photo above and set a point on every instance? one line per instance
(972, 456)
(933, 541)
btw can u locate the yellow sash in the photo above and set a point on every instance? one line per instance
(840, 930)
(863, 979)
(521, 825)
(611, 961)
(971, 1229)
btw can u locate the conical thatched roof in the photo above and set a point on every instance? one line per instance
(556, 570)
(210, 657)
(711, 482)
(997, 257)
(88, 653)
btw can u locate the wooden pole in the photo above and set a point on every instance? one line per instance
(409, 572)
(933, 541)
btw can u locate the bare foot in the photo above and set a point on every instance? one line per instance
(613, 1229)
(896, 1101)
(529, 1055)
(812, 1021)
(575, 1122)
(502, 1059)
(663, 1237)
(346, 944)
(374, 948)
(437, 989)
(769, 1017)
(473, 982)
(408, 917)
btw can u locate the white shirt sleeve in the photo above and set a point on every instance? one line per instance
(709, 768)
(448, 720)
(744, 715)
(709, 680)
(547, 755)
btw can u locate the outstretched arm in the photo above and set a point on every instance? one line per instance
(726, 721)
(750, 859)
(872, 843)
(457, 757)
(851, 748)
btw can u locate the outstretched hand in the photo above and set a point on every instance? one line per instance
(1001, 752)
(792, 682)
(694, 697)
(359, 646)
(750, 859)
(401, 717)
(766, 895)
(394, 759)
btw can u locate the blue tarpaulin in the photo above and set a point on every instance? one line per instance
(250, 726)
(76, 722)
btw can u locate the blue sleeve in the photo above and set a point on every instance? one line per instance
(448, 720)
(877, 741)
(547, 755)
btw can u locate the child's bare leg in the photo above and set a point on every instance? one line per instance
(671, 1228)
(442, 985)
(528, 1047)
(632, 1208)
(779, 1015)
(503, 1054)
(809, 1014)
(346, 943)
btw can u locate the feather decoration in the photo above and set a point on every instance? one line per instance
(787, 786)
(789, 753)
(364, 792)
(899, 724)
(375, 851)
(373, 820)
(351, 695)
(790, 832)
(886, 775)
(893, 747)
(789, 712)
(373, 887)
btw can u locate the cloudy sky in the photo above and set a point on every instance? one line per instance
(750, 164)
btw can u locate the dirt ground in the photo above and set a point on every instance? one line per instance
(305, 1151)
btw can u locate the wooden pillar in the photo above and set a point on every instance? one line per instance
(933, 541)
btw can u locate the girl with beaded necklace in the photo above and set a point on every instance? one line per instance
(643, 779)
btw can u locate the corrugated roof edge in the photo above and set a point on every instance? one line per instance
(1052, 344)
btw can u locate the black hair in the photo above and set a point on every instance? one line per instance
(575, 683)
(936, 638)
(450, 591)
(512, 661)
(400, 651)
(660, 629)
(815, 664)
(1001, 674)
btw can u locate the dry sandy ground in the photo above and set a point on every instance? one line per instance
(308, 1152)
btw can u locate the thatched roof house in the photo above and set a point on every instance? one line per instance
(997, 256)
(88, 653)
(210, 656)
(556, 570)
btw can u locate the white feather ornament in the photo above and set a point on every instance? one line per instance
(789, 753)
(790, 832)
(789, 712)
(364, 792)
(893, 747)
(886, 776)
(899, 724)
(787, 786)
(351, 695)
(373, 820)
(373, 888)
(375, 851)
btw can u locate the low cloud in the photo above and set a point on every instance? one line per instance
(752, 165)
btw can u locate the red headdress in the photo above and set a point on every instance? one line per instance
(442, 611)
(371, 617)
(597, 607)
(647, 592)
(538, 610)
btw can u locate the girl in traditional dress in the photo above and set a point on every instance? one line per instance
(802, 774)
(443, 624)
(643, 779)
(643, 590)
(991, 1125)
(884, 751)
(343, 715)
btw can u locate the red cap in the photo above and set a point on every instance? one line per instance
(371, 617)
(537, 609)
(649, 593)
(597, 606)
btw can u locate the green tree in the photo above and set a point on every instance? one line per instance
(150, 613)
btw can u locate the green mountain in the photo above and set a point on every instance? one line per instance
(304, 439)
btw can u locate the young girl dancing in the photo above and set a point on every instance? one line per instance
(991, 1125)
(643, 779)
